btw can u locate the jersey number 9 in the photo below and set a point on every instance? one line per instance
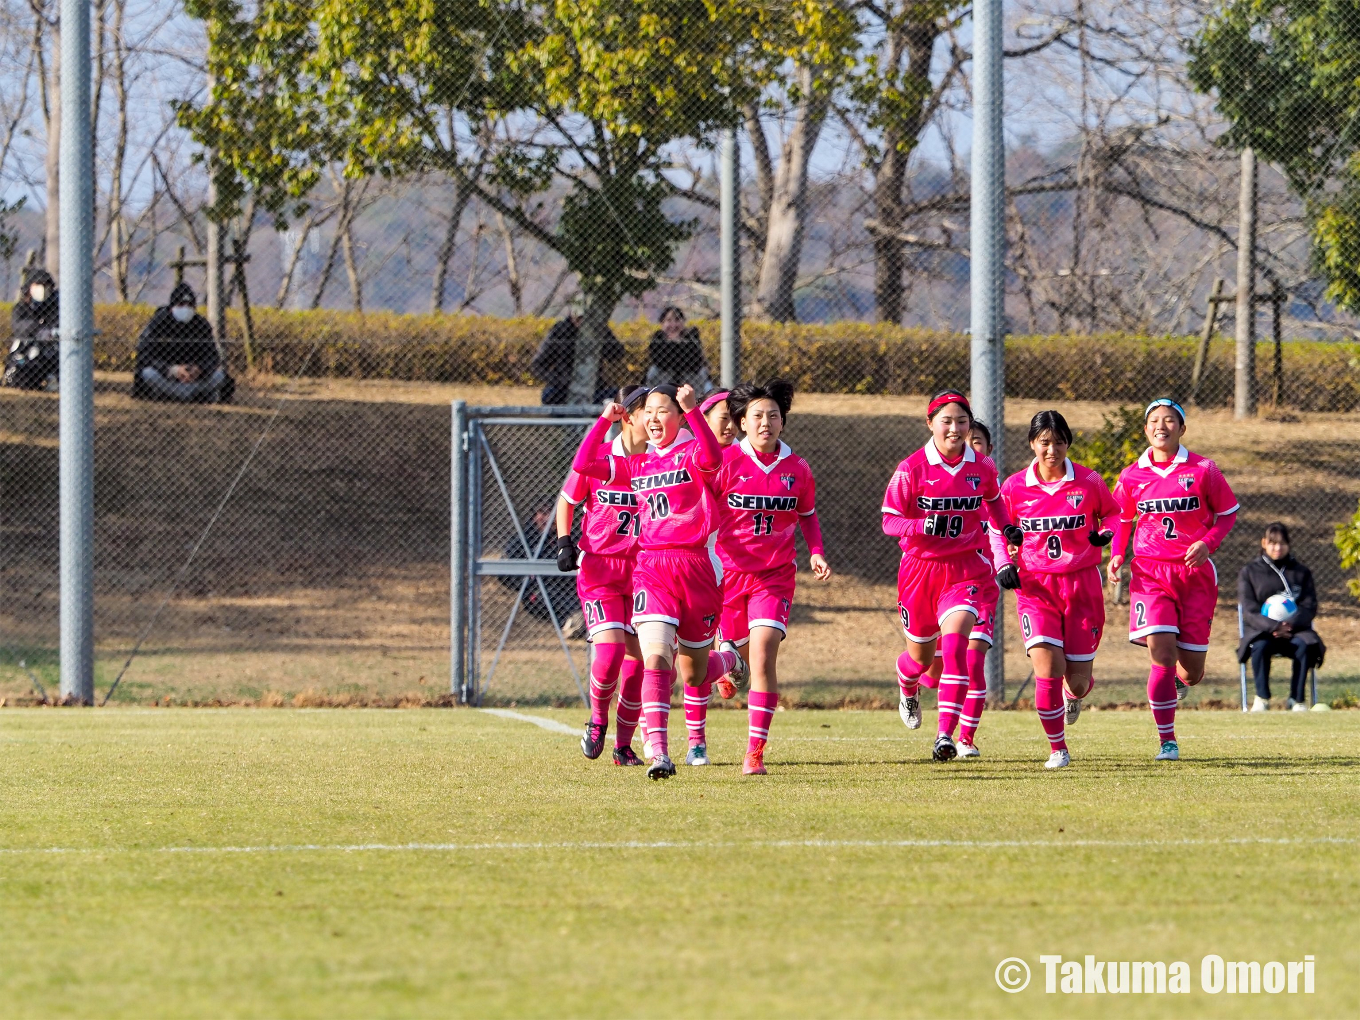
(1055, 549)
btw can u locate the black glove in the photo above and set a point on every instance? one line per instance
(566, 554)
(1008, 577)
(1014, 536)
(1100, 539)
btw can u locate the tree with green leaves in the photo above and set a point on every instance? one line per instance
(1286, 74)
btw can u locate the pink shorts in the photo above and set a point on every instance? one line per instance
(1169, 598)
(1063, 610)
(985, 627)
(679, 587)
(604, 585)
(929, 590)
(756, 600)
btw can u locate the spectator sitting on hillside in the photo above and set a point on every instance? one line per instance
(556, 358)
(677, 354)
(1274, 572)
(177, 358)
(34, 358)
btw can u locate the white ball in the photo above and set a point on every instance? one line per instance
(1280, 608)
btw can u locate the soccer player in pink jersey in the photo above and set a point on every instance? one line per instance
(980, 638)
(676, 599)
(1066, 515)
(604, 584)
(1178, 507)
(765, 493)
(934, 505)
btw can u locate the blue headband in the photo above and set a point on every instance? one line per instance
(1164, 402)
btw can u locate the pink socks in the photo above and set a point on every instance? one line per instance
(909, 674)
(719, 665)
(760, 710)
(696, 708)
(976, 699)
(604, 677)
(953, 680)
(630, 702)
(656, 706)
(1161, 691)
(1048, 701)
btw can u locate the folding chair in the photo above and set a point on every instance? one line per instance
(1242, 670)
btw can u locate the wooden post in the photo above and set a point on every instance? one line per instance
(240, 258)
(1210, 321)
(179, 265)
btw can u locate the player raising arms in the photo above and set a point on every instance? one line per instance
(605, 586)
(1062, 509)
(765, 493)
(1183, 509)
(675, 593)
(935, 505)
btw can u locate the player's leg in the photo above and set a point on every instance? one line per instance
(979, 644)
(603, 586)
(1083, 626)
(917, 587)
(1050, 665)
(1154, 621)
(768, 622)
(1198, 598)
(955, 629)
(630, 702)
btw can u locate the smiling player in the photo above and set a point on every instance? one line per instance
(1178, 507)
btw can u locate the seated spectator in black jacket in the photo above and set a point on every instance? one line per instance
(676, 354)
(556, 358)
(34, 358)
(176, 357)
(1273, 572)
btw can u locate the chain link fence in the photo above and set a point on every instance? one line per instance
(413, 195)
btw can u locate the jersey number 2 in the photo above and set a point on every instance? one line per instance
(1168, 528)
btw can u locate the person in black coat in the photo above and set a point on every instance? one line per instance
(1271, 573)
(676, 354)
(556, 358)
(34, 358)
(177, 358)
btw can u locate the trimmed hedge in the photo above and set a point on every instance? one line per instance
(821, 358)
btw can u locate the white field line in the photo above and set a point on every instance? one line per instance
(668, 844)
(537, 720)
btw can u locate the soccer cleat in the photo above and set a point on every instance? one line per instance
(1170, 751)
(626, 756)
(592, 741)
(661, 767)
(967, 750)
(1058, 760)
(1299, 706)
(754, 765)
(1073, 707)
(698, 755)
(944, 749)
(740, 676)
(910, 711)
(726, 689)
(1181, 690)
(1260, 704)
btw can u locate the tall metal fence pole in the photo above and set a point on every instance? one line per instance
(1244, 396)
(729, 260)
(77, 358)
(458, 553)
(988, 243)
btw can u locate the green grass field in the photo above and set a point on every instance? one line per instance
(240, 862)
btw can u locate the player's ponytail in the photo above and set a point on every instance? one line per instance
(1050, 421)
(743, 394)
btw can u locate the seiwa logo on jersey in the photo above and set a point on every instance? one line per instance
(1073, 523)
(615, 497)
(737, 501)
(1168, 506)
(661, 480)
(973, 480)
(937, 504)
(788, 481)
(1075, 499)
(1185, 481)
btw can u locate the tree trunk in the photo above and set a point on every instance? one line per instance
(52, 158)
(788, 205)
(512, 278)
(461, 197)
(589, 346)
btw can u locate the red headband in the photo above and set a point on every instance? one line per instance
(948, 398)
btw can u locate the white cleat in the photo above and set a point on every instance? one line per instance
(967, 750)
(910, 711)
(1260, 704)
(1073, 707)
(1295, 706)
(1058, 760)
(1170, 751)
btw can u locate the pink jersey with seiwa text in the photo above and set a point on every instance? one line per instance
(949, 497)
(1057, 519)
(611, 523)
(1175, 503)
(678, 510)
(760, 501)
